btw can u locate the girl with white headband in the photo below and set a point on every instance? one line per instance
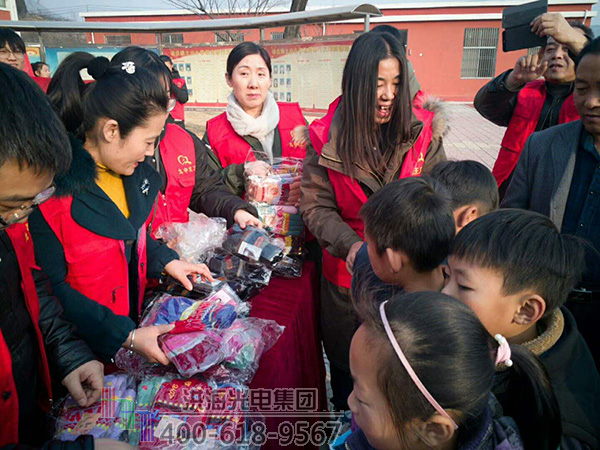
(423, 367)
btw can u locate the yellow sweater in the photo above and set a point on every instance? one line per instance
(112, 185)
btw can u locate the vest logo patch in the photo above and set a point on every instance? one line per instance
(184, 160)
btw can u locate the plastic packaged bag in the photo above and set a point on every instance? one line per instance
(243, 344)
(195, 240)
(191, 414)
(194, 352)
(274, 184)
(110, 418)
(254, 245)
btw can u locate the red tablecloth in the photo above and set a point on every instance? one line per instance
(296, 360)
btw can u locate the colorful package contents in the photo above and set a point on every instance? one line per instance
(207, 308)
(110, 418)
(166, 309)
(186, 410)
(243, 345)
(192, 353)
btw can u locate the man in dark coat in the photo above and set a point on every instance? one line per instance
(558, 175)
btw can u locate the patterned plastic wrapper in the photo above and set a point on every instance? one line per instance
(195, 240)
(243, 344)
(274, 190)
(110, 418)
(195, 414)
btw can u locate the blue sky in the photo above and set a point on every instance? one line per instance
(71, 8)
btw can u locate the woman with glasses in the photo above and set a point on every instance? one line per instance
(91, 238)
(180, 158)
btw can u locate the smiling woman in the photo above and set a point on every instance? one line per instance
(370, 137)
(91, 239)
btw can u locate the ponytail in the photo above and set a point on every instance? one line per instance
(530, 401)
(66, 90)
(126, 93)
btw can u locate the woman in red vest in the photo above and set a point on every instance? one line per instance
(254, 125)
(188, 181)
(91, 238)
(372, 138)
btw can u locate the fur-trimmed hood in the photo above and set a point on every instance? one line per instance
(82, 173)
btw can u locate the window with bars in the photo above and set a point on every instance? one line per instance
(172, 38)
(229, 37)
(479, 52)
(276, 35)
(118, 39)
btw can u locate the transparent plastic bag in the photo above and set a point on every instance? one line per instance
(194, 352)
(110, 418)
(274, 184)
(243, 344)
(254, 245)
(195, 240)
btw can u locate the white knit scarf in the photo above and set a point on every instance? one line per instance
(261, 127)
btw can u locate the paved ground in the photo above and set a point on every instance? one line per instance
(470, 135)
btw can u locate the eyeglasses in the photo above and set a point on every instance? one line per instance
(171, 105)
(4, 53)
(25, 210)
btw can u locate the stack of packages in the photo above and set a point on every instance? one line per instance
(214, 349)
(274, 190)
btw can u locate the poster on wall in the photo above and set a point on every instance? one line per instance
(308, 73)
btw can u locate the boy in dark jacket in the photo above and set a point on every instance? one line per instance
(515, 270)
(473, 193)
(35, 341)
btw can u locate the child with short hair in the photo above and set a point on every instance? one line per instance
(472, 187)
(473, 192)
(423, 366)
(408, 230)
(515, 270)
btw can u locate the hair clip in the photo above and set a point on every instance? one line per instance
(129, 67)
(503, 354)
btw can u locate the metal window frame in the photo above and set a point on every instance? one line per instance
(480, 47)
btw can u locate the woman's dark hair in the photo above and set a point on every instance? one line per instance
(37, 66)
(165, 58)
(244, 49)
(31, 133)
(393, 31)
(360, 139)
(146, 59)
(454, 357)
(128, 98)
(12, 39)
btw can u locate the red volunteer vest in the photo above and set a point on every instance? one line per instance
(349, 195)
(178, 155)
(96, 265)
(231, 148)
(178, 112)
(9, 401)
(523, 122)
